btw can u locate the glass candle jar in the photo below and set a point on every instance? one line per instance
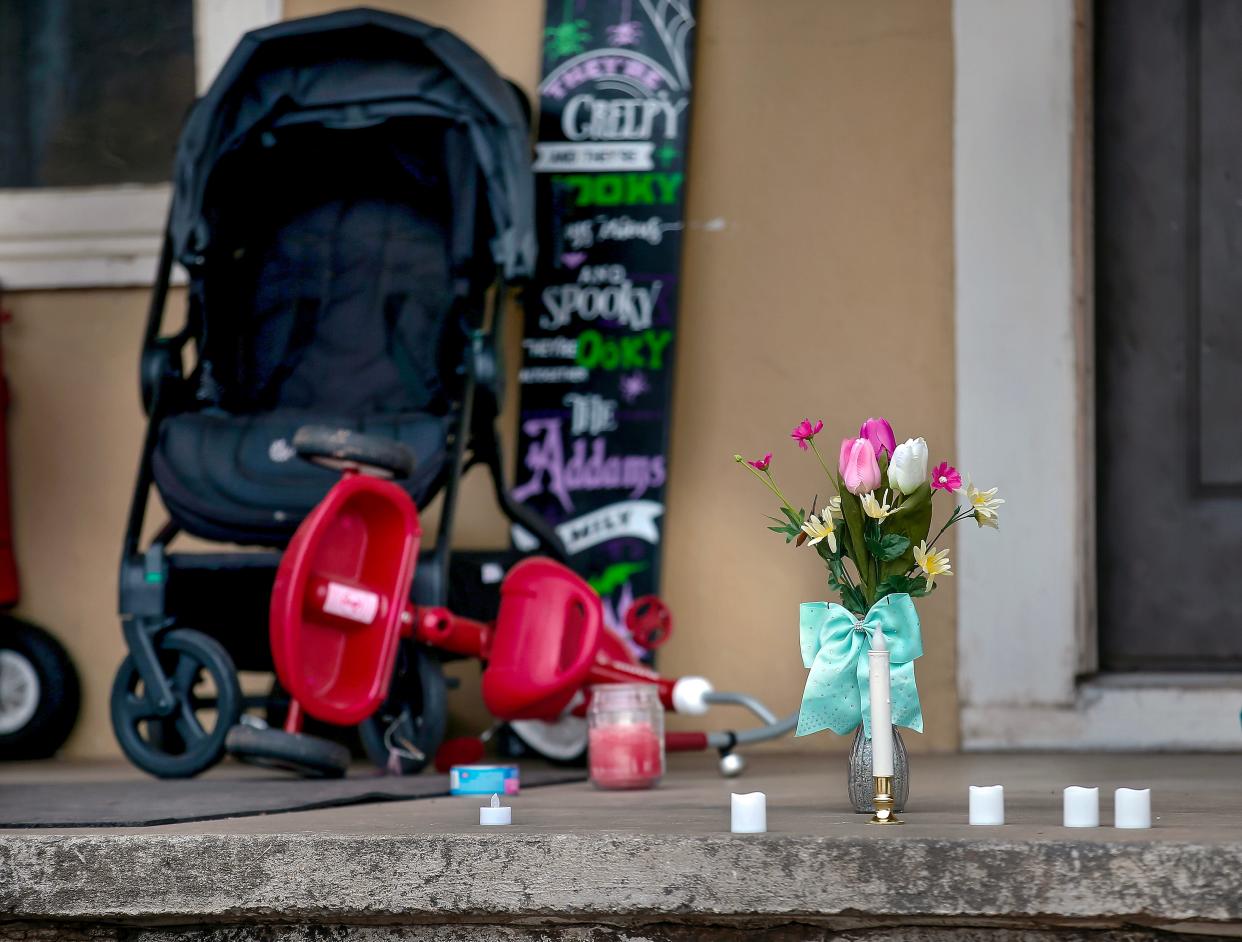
(626, 736)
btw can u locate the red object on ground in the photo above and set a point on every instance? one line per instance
(465, 750)
(625, 755)
(685, 742)
(340, 596)
(10, 589)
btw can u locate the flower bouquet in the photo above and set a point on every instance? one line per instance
(873, 537)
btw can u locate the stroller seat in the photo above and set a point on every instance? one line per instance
(237, 478)
(335, 307)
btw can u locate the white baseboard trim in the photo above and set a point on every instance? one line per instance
(1122, 712)
(75, 238)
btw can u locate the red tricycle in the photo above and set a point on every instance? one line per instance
(340, 606)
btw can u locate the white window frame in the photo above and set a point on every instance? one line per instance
(1027, 640)
(110, 236)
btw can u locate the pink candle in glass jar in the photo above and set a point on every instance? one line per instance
(626, 739)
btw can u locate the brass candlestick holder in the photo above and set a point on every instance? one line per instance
(884, 813)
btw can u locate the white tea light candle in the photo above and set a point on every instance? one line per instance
(495, 814)
(1082, 807)
(1132, 808)
(881, 707)
(750, 813)
(987, 804)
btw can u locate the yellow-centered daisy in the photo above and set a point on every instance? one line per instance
(984, 504)
(876, 509)
(820, 529)
(933, 562)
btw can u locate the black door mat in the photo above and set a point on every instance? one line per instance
(142, 802)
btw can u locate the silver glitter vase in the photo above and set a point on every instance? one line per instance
(861, 784)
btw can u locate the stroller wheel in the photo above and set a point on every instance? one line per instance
(410, 724)
(209, 701)
(297, 752)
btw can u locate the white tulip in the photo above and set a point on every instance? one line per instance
(907, 469)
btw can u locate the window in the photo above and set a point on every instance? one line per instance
(93, 94)
(94, 90)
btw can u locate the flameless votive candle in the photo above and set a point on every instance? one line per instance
(750, 813)
(495, 814)
(1082, 807)
(987, 804)
(1132, 808)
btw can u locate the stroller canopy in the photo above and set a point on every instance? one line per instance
(356, 69)
(344, 195)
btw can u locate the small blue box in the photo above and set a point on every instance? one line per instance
(483, 780)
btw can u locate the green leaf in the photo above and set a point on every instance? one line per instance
(915, 586)
(887, 546)
(852, 599)
(789, 530)
(797, 519)
(913, 521)
(852, 524)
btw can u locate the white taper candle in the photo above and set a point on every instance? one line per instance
(881, 707)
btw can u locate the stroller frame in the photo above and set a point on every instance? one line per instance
(177, 620)
(147, 573)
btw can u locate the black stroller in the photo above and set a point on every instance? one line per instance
(347, 195)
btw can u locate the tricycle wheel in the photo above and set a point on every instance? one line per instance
(563, 742)
(306, 755)
(409, 726)
(208, 699)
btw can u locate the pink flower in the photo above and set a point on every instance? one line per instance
(944, 477)
(761, 464)
(859, 469)
(880, 434)
(806, 431)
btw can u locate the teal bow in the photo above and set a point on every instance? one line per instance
(834, 642)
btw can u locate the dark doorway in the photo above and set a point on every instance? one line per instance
(1168, 197)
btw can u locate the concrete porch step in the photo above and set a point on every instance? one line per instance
(583, 864)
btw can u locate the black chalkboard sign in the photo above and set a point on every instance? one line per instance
(601, 318)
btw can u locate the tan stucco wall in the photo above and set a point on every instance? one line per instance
(821, 153)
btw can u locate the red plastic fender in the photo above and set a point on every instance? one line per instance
(547, 634)
(341, 590)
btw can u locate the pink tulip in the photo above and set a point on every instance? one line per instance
(761, 464)
(859, 469)
(805, 431)
(847, 445)
(880, 434)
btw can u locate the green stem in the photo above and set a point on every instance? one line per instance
(767, 482)
(832, 477)
(958, 514)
